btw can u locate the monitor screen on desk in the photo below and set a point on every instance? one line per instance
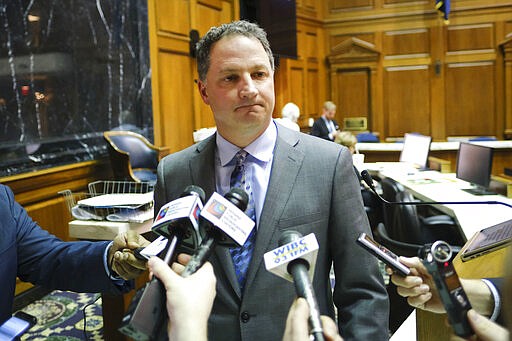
(416, 149)
(474, 165)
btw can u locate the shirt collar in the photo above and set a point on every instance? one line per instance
(260, 149)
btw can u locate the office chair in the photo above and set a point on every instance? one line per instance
(132, 156)
(415, 228)
(390, 189)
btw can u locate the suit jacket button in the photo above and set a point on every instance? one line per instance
(245, 317)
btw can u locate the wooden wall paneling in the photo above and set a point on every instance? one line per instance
(176, 88)
(470, 37)
(499, 75)
(337, 5)
(506, 48)
(353, 98)
(407, 100)
(165, 37)
(470, 99)
(437, 80)
(166, 9)
(401, 43)
(314, 97)
(352, 65)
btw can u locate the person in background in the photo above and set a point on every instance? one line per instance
(289, 116)
(297, 182)
(34, 255)
(347, 139)
(484, 295)
(326, 127)
(188, 314)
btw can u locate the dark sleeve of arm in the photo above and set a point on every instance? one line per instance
(45, 260)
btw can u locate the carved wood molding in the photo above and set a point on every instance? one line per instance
(353, 50)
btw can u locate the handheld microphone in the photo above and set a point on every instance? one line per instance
(177, 219)
(367, 178)
(223, 221)
(294, 260)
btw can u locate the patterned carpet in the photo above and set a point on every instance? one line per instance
(60, 317)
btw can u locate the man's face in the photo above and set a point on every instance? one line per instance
(329, 114)
(239, 88)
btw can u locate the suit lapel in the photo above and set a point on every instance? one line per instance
(285, 167)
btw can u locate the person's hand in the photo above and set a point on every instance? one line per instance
(189, 300)
(418, 287)
(121, 258)
(485, 329)
(297, 324)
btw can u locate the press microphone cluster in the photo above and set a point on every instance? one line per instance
(224, 223)
(221, 221)
(367, 178)
(294, 260)
(176, 221)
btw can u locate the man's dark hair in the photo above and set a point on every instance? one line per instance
(241, 27)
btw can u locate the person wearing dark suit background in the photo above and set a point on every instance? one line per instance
(34, 255)
(290, 192)
(326, 127)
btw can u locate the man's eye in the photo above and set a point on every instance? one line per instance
(229, 78)
(259, 74)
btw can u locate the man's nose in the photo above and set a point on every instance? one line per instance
(249, 88)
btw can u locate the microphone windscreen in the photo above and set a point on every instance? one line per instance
(238, 197)
(193, 189)
(367, 178)
(289, 236)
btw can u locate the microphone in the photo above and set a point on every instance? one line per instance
(367, 178)
(294, 260)
(223, 221)
(176, 220)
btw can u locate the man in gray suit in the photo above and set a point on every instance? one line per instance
(298, 182)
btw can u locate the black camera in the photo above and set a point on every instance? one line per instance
(437, 259)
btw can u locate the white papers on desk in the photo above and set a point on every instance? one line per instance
(118, 200)
(120, 207)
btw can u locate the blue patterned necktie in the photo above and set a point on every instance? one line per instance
(242, 255)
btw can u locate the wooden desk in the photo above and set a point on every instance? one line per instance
(113, 306)
(390, 152)
(443, 187)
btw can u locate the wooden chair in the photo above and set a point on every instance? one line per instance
(132, 156)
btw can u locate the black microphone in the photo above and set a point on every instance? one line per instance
(367, 178)
(175, 220)
(298, 268)
(234, 208)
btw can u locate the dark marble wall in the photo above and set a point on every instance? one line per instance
(70, 70)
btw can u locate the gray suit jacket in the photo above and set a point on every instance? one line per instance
(312, 188)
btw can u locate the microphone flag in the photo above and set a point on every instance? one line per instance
(277, 260)
(226, 216)
(185, 208)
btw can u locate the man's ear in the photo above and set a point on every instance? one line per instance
(202, 91)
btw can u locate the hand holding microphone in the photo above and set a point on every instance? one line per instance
(176, 220)
(294, 260)
(189, 300)
(121, 259)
